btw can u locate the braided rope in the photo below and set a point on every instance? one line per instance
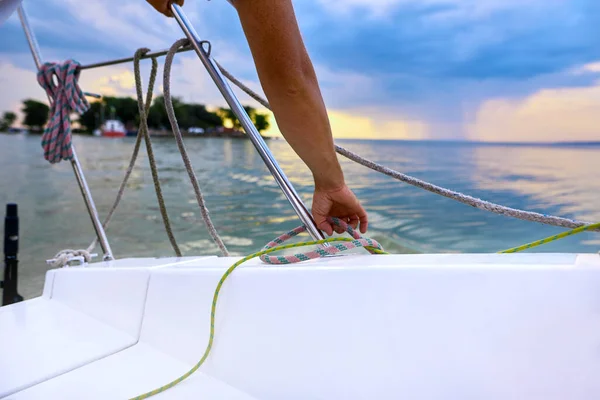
(181, 145)
(133, 159)
(62, 258)
(143, 133)
(143, 130)
(66, 97)
(358, 241)
(552, 238)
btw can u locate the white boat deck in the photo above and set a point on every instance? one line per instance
(418, 327)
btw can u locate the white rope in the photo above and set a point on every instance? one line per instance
(451, 194)
(181, 145)
(64, 257)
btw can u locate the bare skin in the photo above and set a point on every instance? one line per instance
(288, 78)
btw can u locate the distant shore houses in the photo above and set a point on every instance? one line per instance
(219, 131)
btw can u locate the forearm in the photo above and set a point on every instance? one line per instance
(290, 83)
(302, 118)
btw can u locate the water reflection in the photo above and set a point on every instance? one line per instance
(249, 210)
(558, 178)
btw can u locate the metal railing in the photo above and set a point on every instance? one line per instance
(79, 175)
(229, 96)
(257, 140)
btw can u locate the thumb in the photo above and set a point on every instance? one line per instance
(323, 224)
(320, 217)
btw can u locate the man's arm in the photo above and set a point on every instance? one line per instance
(288, 78)
(290, 84)
(163, 6)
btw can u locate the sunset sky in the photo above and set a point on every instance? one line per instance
(485, 70)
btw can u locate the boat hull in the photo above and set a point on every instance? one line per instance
(113, 134)
(420, 327)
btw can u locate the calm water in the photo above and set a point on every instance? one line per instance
(249, 210)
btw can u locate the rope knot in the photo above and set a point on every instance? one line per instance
(64, 257)
(372, 246)
(66, 97)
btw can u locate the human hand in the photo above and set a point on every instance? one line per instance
(163, 6)
(340, 203)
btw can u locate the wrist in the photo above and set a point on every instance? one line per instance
(329, 179)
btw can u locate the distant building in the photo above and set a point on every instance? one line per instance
(196, 131)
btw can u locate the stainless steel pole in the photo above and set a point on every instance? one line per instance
(85, 190)
(238, 110)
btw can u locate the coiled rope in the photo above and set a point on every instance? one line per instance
(66, 97)
(263, 253)
(372, 245)
(63, 257)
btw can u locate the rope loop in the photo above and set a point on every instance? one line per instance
(369, 244)
(66, 97)
(63, 258)
(181, 145)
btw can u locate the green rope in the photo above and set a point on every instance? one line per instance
(229, 271)
(551, 239)
(213, 308)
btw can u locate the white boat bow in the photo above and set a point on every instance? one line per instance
(419, 327)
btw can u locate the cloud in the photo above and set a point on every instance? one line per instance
(550, 115)
(450, 39)
(17, 84)
(440, 67)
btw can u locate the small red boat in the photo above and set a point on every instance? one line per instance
(112, 128)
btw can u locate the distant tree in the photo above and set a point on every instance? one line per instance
(36, 114)
(125, 109)
(90, 120)
(198, 116)
(227, 115)
(188, 115)
(157, 117)
(8, 119)
(261, 121)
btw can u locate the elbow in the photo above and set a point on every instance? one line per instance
(296, 82)
(290, 76)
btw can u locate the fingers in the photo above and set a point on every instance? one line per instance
(364, 220)
(168, 12)
(322, 223)
(326, 227)
(353, 221)
(339, 229)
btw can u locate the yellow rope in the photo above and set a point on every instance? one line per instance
(552, 238)
(227, 273)
(216, 297)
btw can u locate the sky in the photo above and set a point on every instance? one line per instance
(480, 70)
